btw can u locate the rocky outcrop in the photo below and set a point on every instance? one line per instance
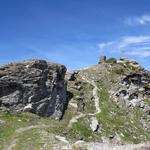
(71, 76)
(130, 64)
(134, 90)
(33, 86)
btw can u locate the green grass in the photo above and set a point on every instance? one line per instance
(89, 102)
(82, 130)
(13, 122)
(147, 101)
(30, 140)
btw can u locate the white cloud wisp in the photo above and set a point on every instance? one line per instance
(138, 46)
(141, 20)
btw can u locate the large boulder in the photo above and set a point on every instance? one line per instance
(34, 86)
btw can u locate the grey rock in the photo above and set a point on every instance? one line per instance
(79, 98)
(71, 76)
(28, 108)
(94, 124)
(136, 102)
(35, 86)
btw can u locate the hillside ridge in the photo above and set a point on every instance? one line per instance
(105, 106)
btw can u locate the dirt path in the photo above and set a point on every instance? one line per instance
(11, 145)
(20, 131)
(96, 98)
(95, 94)
(75, 119)
(102, 146)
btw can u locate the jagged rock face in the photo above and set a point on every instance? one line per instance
(134, 89)
(33, 86)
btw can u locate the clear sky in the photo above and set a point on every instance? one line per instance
(74, 32)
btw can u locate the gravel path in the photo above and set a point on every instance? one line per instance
(20, 131)
(75, 119)
(95, 95)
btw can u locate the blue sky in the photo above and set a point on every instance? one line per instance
(74, 32)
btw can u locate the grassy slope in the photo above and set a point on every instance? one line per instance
(113, 119)
(32, 138)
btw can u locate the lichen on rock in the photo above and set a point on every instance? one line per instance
(35, 86)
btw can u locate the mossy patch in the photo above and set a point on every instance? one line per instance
(118, 69)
